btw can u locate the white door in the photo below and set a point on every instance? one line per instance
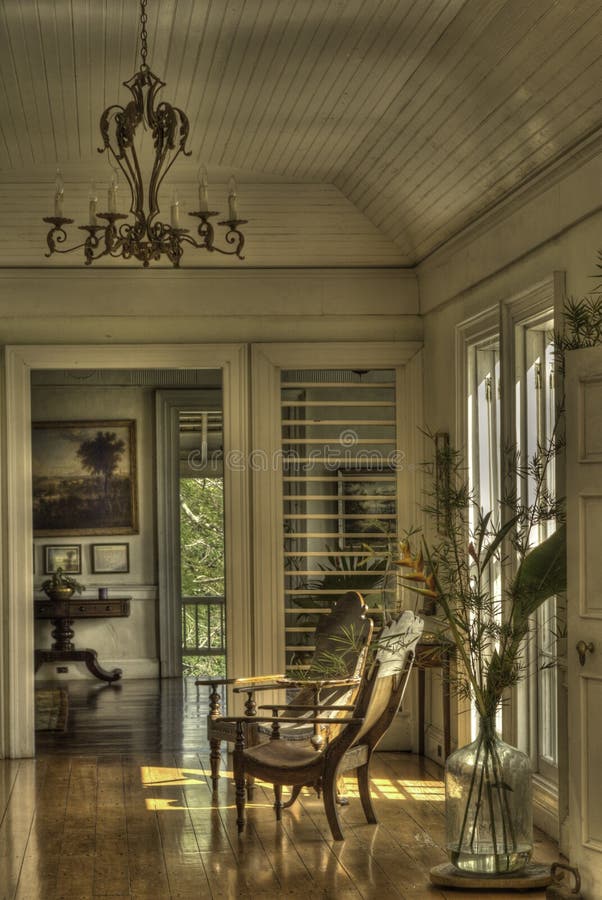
(584, 602)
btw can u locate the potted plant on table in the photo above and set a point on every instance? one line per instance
(61, 586)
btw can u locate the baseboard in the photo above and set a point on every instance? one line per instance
(545, 807)
(434, 743)
(131, 668)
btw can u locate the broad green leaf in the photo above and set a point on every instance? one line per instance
(542, 572)
(499, 537)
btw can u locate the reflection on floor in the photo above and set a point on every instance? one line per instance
(119, 806)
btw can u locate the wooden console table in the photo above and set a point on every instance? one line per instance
(434, 652)
(62, 614)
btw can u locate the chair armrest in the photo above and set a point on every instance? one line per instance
(255, 679)
(344, 720)
(305, 708)
(244, 684)
(320, 682)
(279, 682)
(275, 682)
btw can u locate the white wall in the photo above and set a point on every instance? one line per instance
(557, 228)
(159, 306)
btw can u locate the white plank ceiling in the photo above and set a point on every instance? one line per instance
(363, 132)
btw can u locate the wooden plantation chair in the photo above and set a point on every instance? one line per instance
(353, 735)
(343, 635)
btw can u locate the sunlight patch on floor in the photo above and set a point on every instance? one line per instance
(163, 804)
(398, 789)
(171, 777)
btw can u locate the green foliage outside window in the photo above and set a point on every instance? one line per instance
(202, 569)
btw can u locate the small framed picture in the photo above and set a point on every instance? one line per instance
(67, 557)
(110, 559)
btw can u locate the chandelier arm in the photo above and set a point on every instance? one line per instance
(133, 176)
(154, 184)
(232, 236)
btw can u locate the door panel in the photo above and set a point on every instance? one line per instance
(584, 616)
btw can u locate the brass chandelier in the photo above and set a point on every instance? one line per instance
(147, 237)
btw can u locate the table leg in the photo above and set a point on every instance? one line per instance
(445, 679)
(89, 657)
(421, 711)
(91, 661)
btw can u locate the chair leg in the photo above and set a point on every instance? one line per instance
(342, 798)
(330, 808)
(215, 759)
(294, 794)
(250, 787)
(363, 782)
(278, 801)
(241, 793)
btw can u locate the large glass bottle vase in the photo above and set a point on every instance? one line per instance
(488, 805)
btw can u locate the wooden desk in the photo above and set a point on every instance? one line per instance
(433, 652)
(62, 613)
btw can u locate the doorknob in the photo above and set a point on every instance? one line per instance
(583, 648)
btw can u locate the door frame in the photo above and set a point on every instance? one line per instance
(584, 613)
(16, 586)
(267, 361)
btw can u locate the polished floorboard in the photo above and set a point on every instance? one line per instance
(119, 806)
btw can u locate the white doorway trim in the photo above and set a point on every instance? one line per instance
(16, 594)
(267, 362)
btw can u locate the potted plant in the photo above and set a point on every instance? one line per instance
(61, 586)
(488, 782)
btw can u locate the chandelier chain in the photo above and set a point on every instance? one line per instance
(143, 33)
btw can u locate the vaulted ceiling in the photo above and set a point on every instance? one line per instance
(362, 132)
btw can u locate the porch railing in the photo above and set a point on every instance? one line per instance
(204, 626)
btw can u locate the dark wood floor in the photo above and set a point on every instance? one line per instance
(119, 806)
(130, 717)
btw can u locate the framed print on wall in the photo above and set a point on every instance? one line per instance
(67, 557)
(367, 506)
(84, 477)
(110, 559)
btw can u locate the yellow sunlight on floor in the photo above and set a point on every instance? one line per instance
(398, 789)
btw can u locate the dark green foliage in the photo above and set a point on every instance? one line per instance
(202, 565)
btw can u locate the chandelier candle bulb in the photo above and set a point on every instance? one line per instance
(232, 203)
(203, 195)
(112, 195)
(93, 200)
(175, 210)
(58, 195)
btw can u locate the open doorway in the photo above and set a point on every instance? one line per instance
(230, 360)
(201, 543)
(120, 553)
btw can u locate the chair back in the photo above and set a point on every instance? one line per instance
(341, 639)
(379, 701)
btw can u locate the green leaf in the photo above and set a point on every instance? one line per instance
(497, 540)
(542, 572)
